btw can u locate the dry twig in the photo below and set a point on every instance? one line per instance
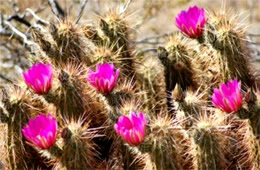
(82, 7)
(19, 33)
(56, 9)
(38, 19)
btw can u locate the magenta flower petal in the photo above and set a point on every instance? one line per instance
(41, 131)
(104, 79)
(131, 128)
(39, 78)
(228, 97)
(191, 22)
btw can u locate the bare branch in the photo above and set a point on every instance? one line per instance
(152, 39)
(20, 34)
(255, 43)
(56, 9)
(19, 18)
(146, 50)
(38, 19)
(125, 6)
(82, 7)
(147, 42)
(3, 31)
(2, 76)
(254, 35)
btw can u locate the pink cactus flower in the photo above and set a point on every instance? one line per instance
(104, 79)
(39, 78)
(228, 97)
(191, 22)
(132, 128)
(41, 131)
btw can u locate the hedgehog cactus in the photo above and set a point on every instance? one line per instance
(187, 106)
(177, 63)
(162, 144)
(209, 144)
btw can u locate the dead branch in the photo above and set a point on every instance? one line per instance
(19, 33)
(19, 18)
(56, 9)
(146, 50)
(254, 35)
(124, 7)
(4, 77)
(82, 7)
(153, 39)
(3, 31)
(38, 19)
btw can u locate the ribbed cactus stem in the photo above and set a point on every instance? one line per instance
(114, 104)
(211, 36)
(161, 159)
(187, 102)
(116, 32)
(246, 146)
(3, 115)
(15, 143)
(201, 39)
(145, 147)
(255, 122)
(16, 119)
(163, 56)
(116, 158)
(68, 38)
(70, 100)
(253, 113)
(207, 148)
(48, 47)
(78, 149)
(117, 102)
(142, 157)
(164, 144)
(224, 40)
(52, 153)
(160, 156)
(151, 80)
(175, 58)
(225, 35)
(91, 33)
(50, 97)
(179, 58)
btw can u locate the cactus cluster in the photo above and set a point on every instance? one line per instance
(90, 102)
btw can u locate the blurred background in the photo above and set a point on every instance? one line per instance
(150, 21)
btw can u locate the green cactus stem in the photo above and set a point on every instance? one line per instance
(208, 146)
(70, 100)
